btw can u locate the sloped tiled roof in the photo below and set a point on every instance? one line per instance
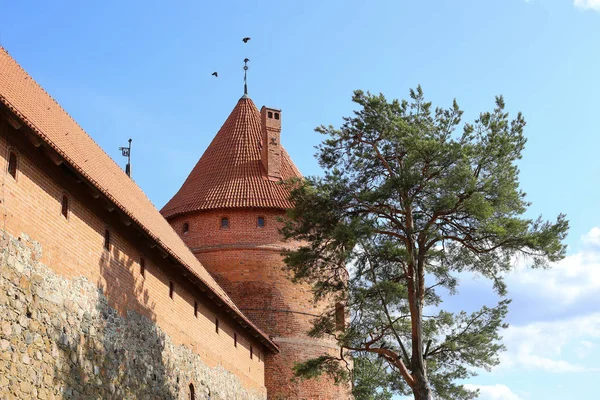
(230, 173)
(45, 117)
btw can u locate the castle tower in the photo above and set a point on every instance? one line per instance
(226, 212)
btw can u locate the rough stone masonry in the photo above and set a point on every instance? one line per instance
(60, 339)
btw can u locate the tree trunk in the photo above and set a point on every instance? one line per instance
(416, 294)
(421, 390)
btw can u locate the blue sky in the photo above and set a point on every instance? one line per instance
(143, 70)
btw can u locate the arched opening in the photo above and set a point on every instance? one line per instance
(192, 392)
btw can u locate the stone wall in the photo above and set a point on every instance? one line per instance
(60, 339)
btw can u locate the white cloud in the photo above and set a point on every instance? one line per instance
(494, 392)
(555, 318)
(572, 281)
(587, 4)
(592, 238)
(585, 347)
(575, 277)
(541, 345)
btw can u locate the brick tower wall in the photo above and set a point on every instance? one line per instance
(246, 260)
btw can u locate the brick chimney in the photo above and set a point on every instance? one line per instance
(271, 148)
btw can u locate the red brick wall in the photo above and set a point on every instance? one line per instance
(246, 260)
(74, 247)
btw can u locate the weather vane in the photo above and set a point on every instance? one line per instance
(126, 152)
(245, 70)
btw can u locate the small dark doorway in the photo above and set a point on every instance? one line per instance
(12, 165)
(65, 206)
(192, 392)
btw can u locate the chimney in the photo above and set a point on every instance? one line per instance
(271, 148)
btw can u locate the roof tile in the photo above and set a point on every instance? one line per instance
(230, 173)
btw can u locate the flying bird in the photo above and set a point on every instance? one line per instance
(215, 74)
(245, 40)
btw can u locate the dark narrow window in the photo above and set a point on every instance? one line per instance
(171, 289)
(192, 392)
(142, 267)
(186, 227)
(261, 222)
(235, 340)
(65, 206)
(12, 164)
(217, 325)
(107, 239)
(270, 114)
(195, 309)
(251, 352)
(276, 115)
(340, 317)
(224, 222)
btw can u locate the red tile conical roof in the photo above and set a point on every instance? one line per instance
(230, 173)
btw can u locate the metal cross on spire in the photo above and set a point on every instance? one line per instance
(245, 70)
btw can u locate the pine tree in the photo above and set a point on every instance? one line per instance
(410, 198)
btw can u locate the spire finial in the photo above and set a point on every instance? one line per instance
(245, 70)
(126, 152)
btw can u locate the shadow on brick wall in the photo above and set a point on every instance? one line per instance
(101, 353)
(115, 352)
(63, 338)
